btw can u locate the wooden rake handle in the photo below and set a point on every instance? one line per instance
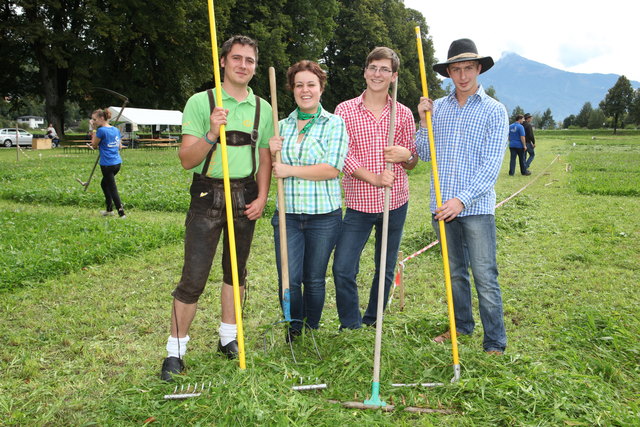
(282, 211)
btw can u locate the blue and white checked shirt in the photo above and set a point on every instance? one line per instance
(470, 143)
(326, 142)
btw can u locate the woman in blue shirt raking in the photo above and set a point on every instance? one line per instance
(107, 139)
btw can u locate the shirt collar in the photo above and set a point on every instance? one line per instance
(479, 94)
(360, 101)
(324, 114)
(251, 99)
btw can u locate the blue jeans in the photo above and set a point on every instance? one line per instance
(530, 154)
(310, 241)
(471, 242)
(519, 153)
(356, 228)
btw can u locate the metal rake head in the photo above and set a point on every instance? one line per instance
(303, 387)
(269, 339)
(189, 391)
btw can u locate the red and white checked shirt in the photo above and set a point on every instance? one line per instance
(367, 139)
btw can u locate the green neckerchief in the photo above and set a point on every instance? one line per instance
(307, 116)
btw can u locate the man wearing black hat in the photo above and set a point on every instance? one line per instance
(470, 134)
(530, 139)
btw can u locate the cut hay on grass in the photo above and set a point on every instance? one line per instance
(85, 306)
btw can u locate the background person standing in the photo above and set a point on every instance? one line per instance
(530, 140)
(517, 146)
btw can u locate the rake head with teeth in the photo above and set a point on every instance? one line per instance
(185, 393)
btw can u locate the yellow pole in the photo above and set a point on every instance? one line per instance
(443, 234)
(227, 191)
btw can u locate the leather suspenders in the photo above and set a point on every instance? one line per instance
(236, 138)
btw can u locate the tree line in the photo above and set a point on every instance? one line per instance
(620, 107)
(158, 53)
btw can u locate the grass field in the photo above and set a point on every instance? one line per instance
(85, 305)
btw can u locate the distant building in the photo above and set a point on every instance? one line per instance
(32, 121)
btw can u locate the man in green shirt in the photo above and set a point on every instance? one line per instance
(248, 124)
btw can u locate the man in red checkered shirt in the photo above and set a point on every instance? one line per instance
(365, 178)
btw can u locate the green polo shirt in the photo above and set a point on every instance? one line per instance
(195, 121)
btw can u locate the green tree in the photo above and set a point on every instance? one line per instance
(617, 101)
(18, 70)
(491, 91)
(401, 23)
(582, 119)
(546, 121)
(515, 112)
(634, 110)
(359, 29)
(365, 24)
(288, 31)
(155, 52)
(158, 53)
(596, 119)
(54, 36)
(569, 121)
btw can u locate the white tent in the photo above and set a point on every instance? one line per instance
(144, 116)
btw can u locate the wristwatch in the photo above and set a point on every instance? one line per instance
(409, 160)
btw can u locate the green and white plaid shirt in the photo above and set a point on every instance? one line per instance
(326, 142)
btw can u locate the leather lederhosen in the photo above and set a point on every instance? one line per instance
(243, 190)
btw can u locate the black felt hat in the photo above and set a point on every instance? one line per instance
(463, 50)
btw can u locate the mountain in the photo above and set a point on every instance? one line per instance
(535, 86)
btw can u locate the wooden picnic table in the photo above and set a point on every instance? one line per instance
(155, 143)
(156, 139)
(80, 145)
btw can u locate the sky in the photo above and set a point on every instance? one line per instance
(576, 36)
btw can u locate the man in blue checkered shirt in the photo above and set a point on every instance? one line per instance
(470, 133)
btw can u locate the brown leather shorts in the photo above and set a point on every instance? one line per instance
(206, 220)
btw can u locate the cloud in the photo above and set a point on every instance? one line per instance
(548, 32)
(571, 55)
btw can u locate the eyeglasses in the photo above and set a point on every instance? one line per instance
(383, 70)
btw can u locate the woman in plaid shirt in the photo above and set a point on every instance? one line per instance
(313, 144)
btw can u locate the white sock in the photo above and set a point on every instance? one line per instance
(228, 332)
(177, 347)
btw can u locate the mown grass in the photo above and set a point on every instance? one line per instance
(44, 242)
(148, 180)
(86, 347)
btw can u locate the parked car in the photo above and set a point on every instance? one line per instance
(8, 137)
